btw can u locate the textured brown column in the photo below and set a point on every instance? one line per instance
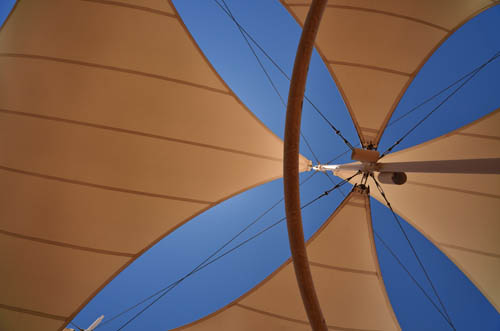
(291, 167)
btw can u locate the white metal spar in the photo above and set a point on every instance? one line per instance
(92, 326)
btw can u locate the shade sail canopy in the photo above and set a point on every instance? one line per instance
(346, 274)
(457, 212)
(374, 89)
(114, 130)
(373, 49)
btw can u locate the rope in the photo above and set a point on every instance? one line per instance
(196, 269)
(227, 10)
(206, 262)
(392, 122)
(76, 326)
(412, 278)
(413, 250)
(244, 33)
(469, 77)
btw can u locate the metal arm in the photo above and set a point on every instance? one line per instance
(468, 166)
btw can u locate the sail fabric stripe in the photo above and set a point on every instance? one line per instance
(366, 66)
(271, 314)
(321, 265)
(475, 251)
(475, 135)
(138, 133)
(66, 245)
(33, 312)
(330, 327)
(112, 68)
(104, 187)
(127, 5)
(447, 188)
(381, 12)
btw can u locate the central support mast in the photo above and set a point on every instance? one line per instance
(291, 166)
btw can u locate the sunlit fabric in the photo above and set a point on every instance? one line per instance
(346, 274)
(373, 49)
(114, 130)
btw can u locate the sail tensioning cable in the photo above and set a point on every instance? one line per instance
(469, 77)
(398, 260)
(398, 222)
(161, 293)
(246, 34)
(208, 261)
(432, 97)
(228, 12)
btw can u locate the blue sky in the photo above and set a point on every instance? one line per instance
(231, 276)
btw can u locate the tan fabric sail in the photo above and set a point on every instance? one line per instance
(346, 274)
(114, 130)
(373, 49)
(458, 212)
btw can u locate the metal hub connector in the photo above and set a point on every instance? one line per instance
(361, 188)
(366, 168)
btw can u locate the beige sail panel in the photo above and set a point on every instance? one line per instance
(280, 296)
(115, 37)
(14, 320)
(368, 96)
(348, 299)
(242, 318)
(161, 108)
(110, 118)
(351, 291)
(160, 6)
(391, 37)
(486, 128)
(437, 216)
(429, 12)
(355, 300)
(41, 277)
(367, 38)
(86, 216)
(119, 160)
(456, 210)
(486, 267)
(345, 242)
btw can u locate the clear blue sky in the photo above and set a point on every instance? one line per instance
(231, 276)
